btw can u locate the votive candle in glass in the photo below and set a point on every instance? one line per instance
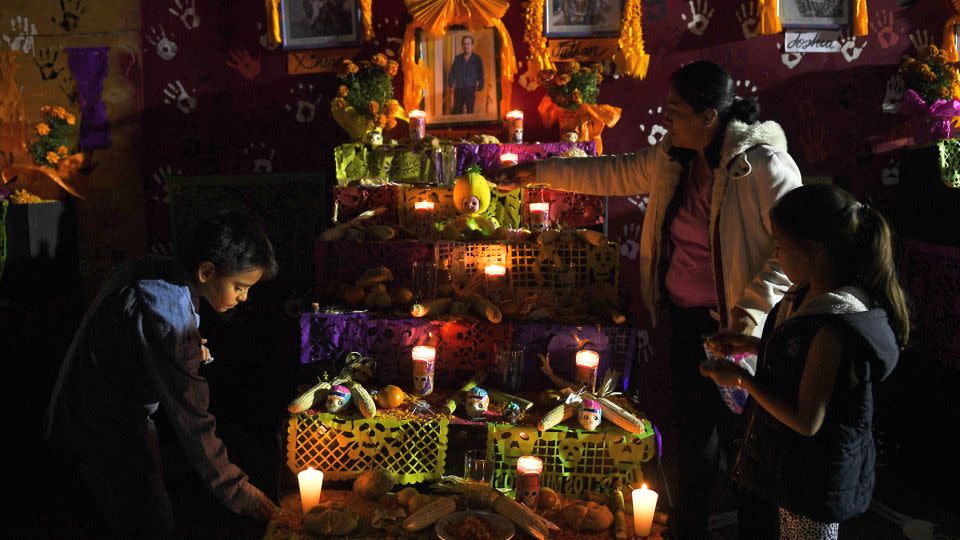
(529, 469)
(539, 215)
(515, 126)
(587, 362)
(418, 124)
(509, 159)
(494, 281)
(424, 357)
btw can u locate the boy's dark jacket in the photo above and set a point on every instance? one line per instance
(829, 476)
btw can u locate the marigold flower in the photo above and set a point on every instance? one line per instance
(563, 79)
(52, 158)
(574, 66)
(42, 128)
(944, 93)
(339, 103)
(352, 68)
(374, 107)
(71, 119)
(393, 68)
(379, 59)
(63, 150)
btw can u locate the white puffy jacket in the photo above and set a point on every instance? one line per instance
(755, 171)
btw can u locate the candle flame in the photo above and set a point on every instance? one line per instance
(515, 114)
(417, 113)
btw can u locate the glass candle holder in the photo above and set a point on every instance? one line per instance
(418, 124)
(586, 374)
(424, 357)
(529, 469)
(515, 126)
(494, 281)
(509, 159)
(539, 215)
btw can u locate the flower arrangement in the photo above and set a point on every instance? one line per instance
(367, 89)
(931, 75)
(572, 88)
(52, 136)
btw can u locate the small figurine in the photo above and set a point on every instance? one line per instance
(516, 135)
(359, 368)
(374, 138)
(569, 136)
(590, 414)
(511, 413)
(471, 192)
(477, 402)
(338, 398)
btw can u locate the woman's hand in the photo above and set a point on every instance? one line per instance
(724, 373)
(727, 343)
(517, 176)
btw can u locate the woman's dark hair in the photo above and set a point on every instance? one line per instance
(234, 242)
(857, 239)
(705, 85)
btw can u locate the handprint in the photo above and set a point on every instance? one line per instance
(265, 40)
(656, 130)
(891, 100)
(790, 59)
(747, 16)
(166, 48)
(248, 66)
(746, 86)
(162, 194)
(306, 104)
(640, 201)
(46, 61)
(629, 245)
(69, 88)
(175, 93)
(70, 12)
(699, 16)
(187, 13)
(884, 28)
(849, 49)
(890, 175)
(23, 34)
(262, 157)
(920, 39)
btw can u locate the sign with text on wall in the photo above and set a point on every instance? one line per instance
(317, 61)
(811, 41)
(581, 50)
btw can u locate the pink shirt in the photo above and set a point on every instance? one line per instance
(689, 279)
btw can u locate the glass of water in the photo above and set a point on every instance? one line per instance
(478, 472)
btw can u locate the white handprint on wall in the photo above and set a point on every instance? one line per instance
(22, 37)
(166, 48)
(920, 39)
(700, 14)
(305, 106)
(890, 176)
(849, 49)
(790, 59)
(891, 99)
(175, 94)
(656, 130)
(630, 241)
(265, 40)
(747, 17)
(262, 157)
(159, 177)
(186, 11)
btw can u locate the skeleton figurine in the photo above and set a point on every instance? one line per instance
(511, 413)
(590, 414)
(569, 136)
(338, 398)
(375, 138)
(477, 402)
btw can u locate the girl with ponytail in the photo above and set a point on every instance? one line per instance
(809, 443)
(706, 254)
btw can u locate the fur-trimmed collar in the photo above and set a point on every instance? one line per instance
(741, 137)
(843, 301)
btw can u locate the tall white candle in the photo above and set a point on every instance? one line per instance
(311, 483)
(644, 505)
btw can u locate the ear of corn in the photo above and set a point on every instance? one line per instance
(429, 514)
(436, 306)
(554, 416)
(364, 402)
(474, 381)
(503, 397)
(620, 416)
(305, 400)
(521, 516)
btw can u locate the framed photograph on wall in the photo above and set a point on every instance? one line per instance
(315, 24)
(582, 18)
(814, 13)
(464, 82)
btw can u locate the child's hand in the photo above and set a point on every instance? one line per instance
(511, 178)
(723, 373)
(727, 343)
(205, 355)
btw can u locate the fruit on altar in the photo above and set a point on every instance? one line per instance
(373, 484)
(390, 397)
(587, 516)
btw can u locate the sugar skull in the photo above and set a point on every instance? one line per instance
(511, 413)
(571, 450)
(569, 136)
(477, 402)
(338, 398)
(590, 414)
(375, 138)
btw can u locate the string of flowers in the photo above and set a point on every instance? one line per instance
(367, 86)
(931, 75)
(570, 89)
(52, 135)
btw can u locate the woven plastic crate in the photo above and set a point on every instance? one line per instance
(413, 450)
(470, 257)
(574, 461)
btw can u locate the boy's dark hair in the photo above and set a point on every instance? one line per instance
(234, 242)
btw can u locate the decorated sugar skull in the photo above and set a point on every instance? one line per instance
(375, 138)
(477, 402)
(569, 136)
(511, 413)
(338, 398)
(590, 414)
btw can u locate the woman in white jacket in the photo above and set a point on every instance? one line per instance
(706, 251)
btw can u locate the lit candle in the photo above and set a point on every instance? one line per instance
(311, 482)
(418, 124)
(539, 213)
(528, 480)
(515, 126)
(495, 277)
(423, 206)
(508, 159)
(587, 362)
(423, 360)
(644, 505)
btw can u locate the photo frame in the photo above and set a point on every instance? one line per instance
(582, 18)
(317, 24)
(464, 88)
(815, 13)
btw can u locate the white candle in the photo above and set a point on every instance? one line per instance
(515, 126)
(539, 213)
(311, 482)
(418, 124)
(587, 362)
(508, 160)
(423, 361)
(644, 505)
(495, 277)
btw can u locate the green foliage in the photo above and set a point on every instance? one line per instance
(570, 89)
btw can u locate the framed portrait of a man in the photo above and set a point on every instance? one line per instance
(464, 86)
(814, 13)
(314, 24)
(582, 18)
